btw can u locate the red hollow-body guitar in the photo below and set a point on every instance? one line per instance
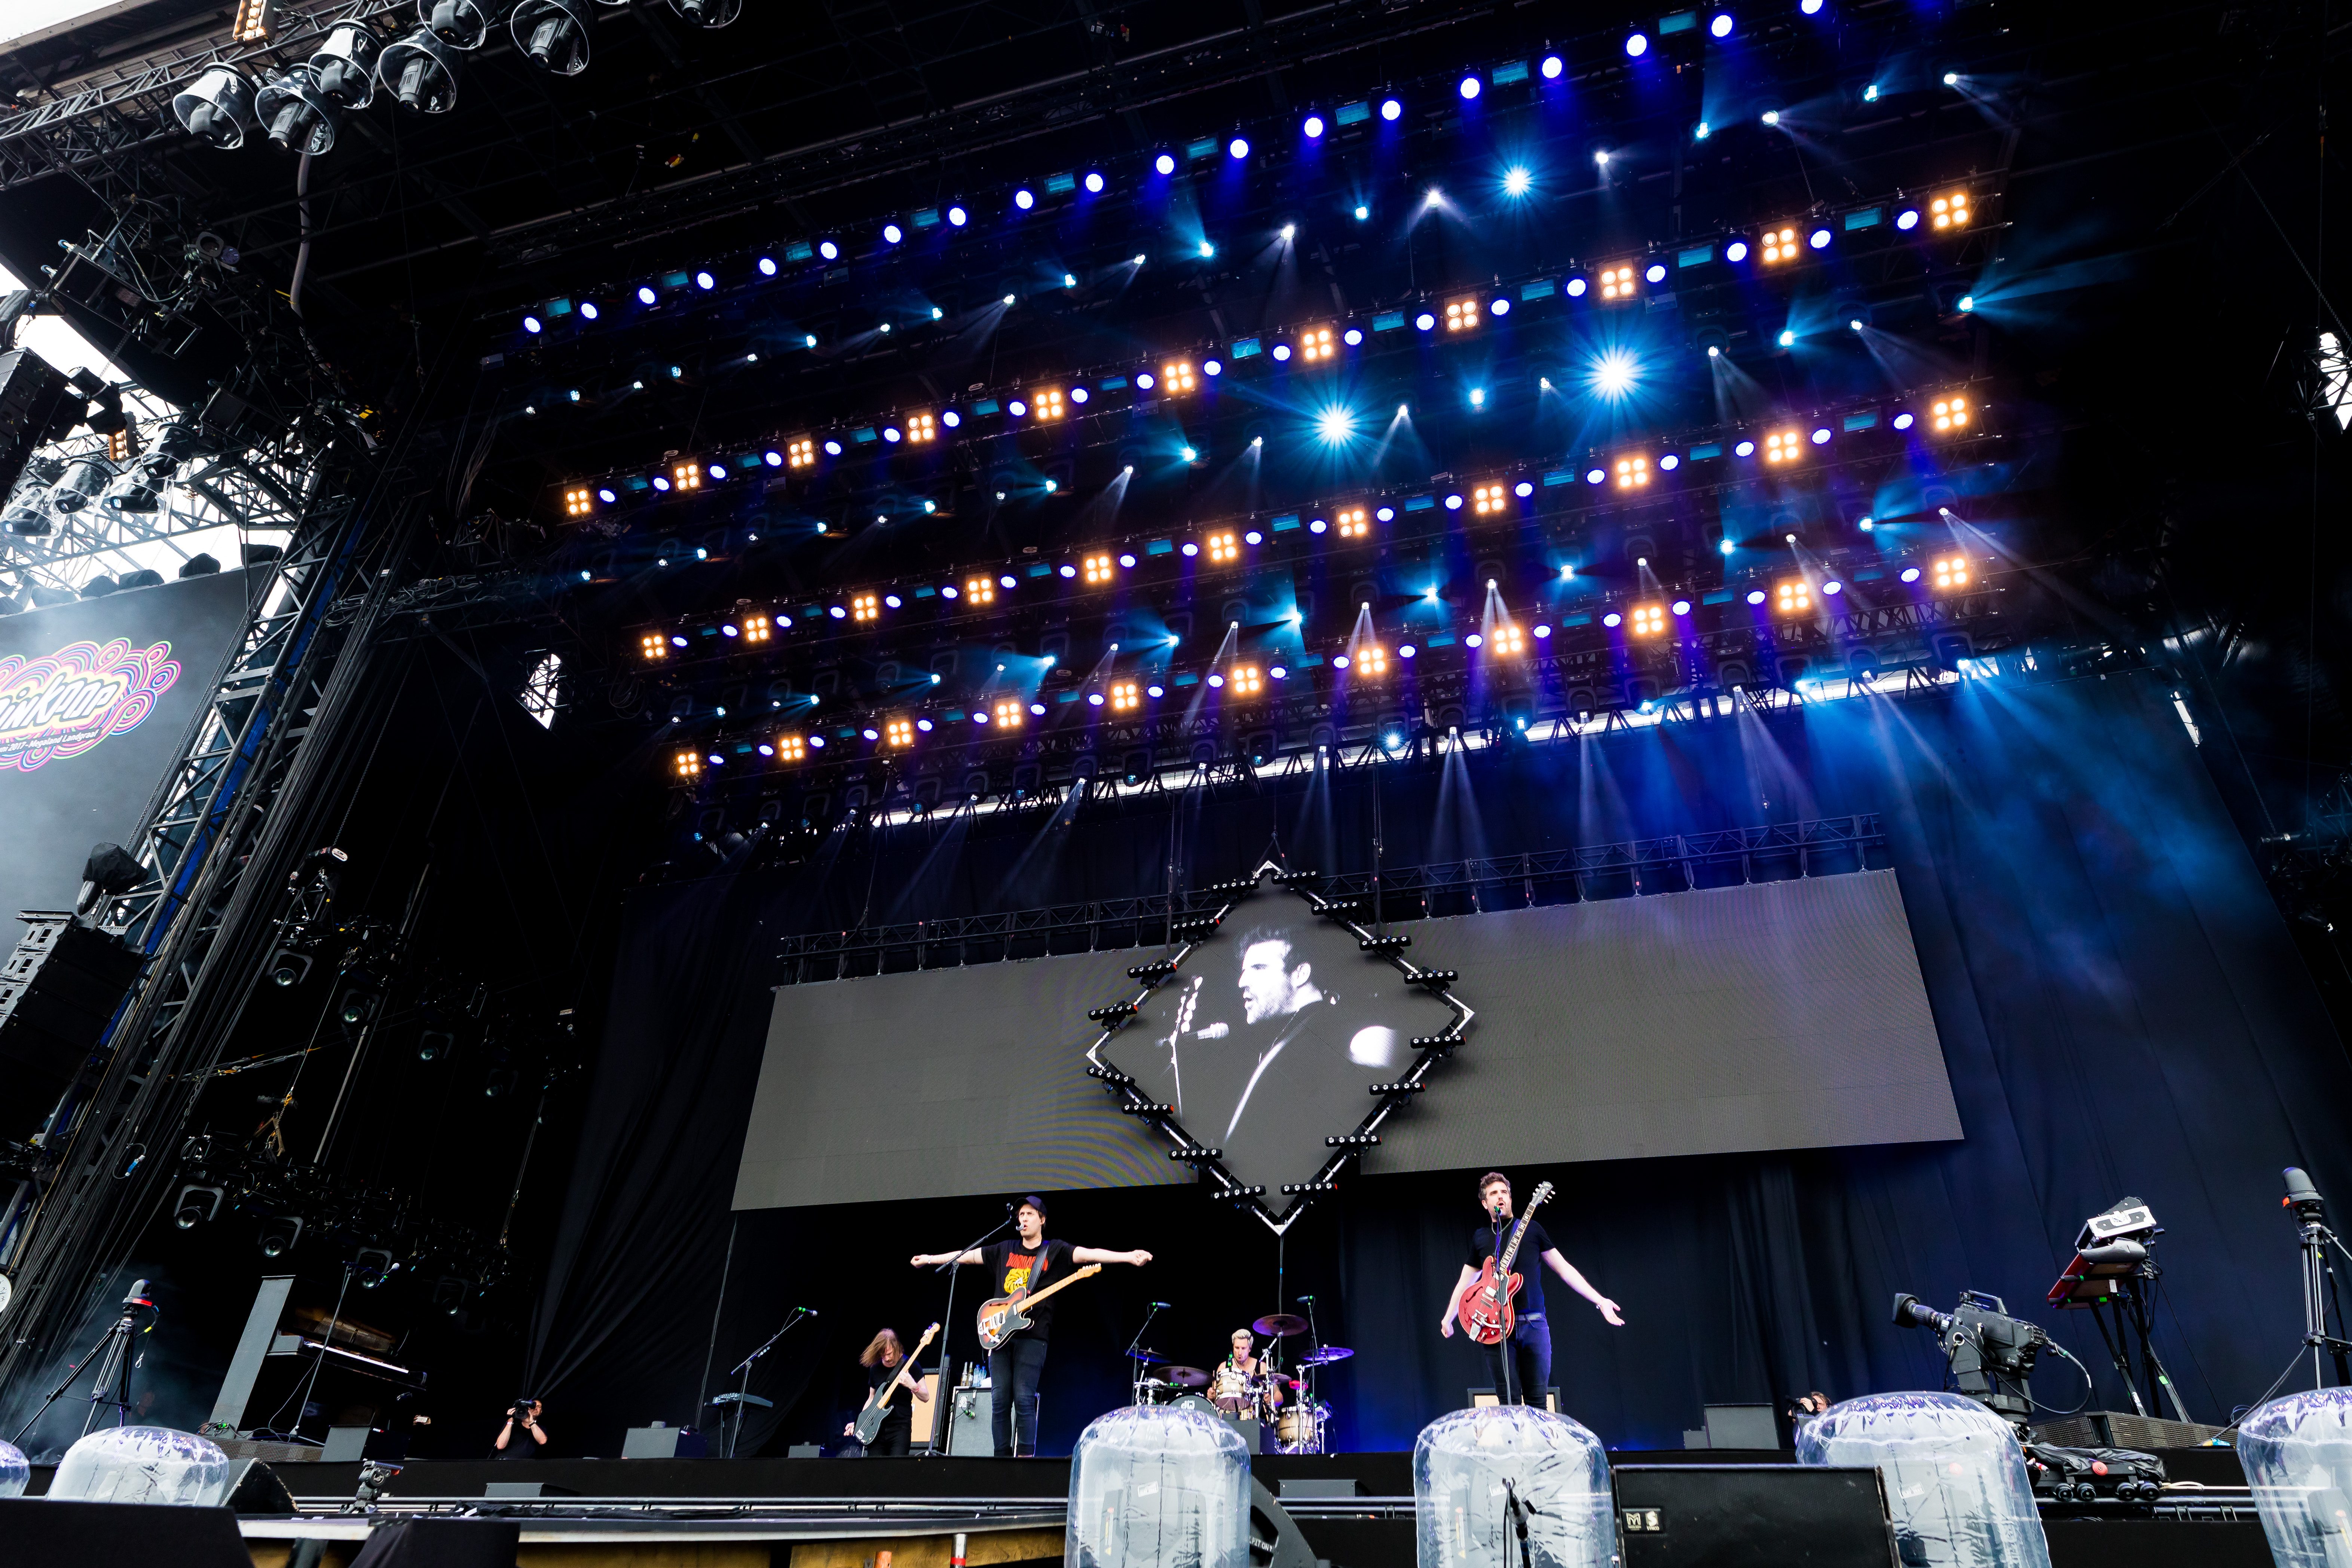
(1486, 1312)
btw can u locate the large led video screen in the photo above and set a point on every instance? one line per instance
(95, 698)
(1780, 1015)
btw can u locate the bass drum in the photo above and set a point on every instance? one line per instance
(1193, 1402)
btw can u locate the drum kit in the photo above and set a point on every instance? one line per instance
(1283, 1404)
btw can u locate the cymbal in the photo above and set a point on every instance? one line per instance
(1325, 1356)
(1185, 1376)
(1148, 1358)
(1280, 1325)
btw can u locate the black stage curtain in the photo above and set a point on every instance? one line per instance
(2120, 1008)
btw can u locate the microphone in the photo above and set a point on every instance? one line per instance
(810, 1311)
(1162, 1306)
(1307, 1299)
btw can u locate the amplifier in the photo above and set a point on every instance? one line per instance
(1752, 1516)
(968, 1424)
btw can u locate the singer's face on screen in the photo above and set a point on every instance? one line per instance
(1496, 1195)
(1269, 990)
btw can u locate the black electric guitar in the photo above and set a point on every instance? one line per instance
(1487, 1311)
(877, 1404)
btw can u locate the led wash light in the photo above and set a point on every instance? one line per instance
(1617, 282)
(1487, 498)
(1951, 573)
(1506, 640)
(1372, 661)
(1247, 681)
(687, 476)
(577, 502)
(1632, 473)
(1793, 596)
(791, 749)
(1649, 620)
(1946, 414)
(1949, 211)
(757, 628)
(979, 590)
(1462, 315)
(1099, 569)
(653, 645)
(1123, 696)
(922, 427)
(1777, 245)
(1783, 447)
(899, 731)
(1222, 547)
(1351, 522)
(1176, 377)
(800, 451)
(865, 607)
(1314, 344)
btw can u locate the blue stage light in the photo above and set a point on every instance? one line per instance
(1282, 354)
(890, 433)
(1424, 320)
(1910, 574)
(1165, 163)
(1574, 287)
(1237, 149)
(1498, 306)
(774, 459)
(1206, 249)
(1406, 650)
(1754, 595)
(531, 324)
(1615, 372)
(829, 250)
(608, 497)
(646, 295)
(705, 281)
(1612, 619)
(808, 340)
(1809, 7)
(1477, 397)
(1523, 489)
(1352, 336)
(1853, 324)
(1093, 184)
(1902, 421)
(833, 449)
(1471, 86)
(1968, 303)
(1771, 117)
(1721, 26)
(1669, 463)
(1788, 338)
(1191, 456)
(1025, 200)
(718, 470)
(1553, 65)
(958, 217)
(1386, 514)
(1907, 219)
(1390, 108)
(1744, 449)
(1212, 367)
(1737, 252)
(1951, 78)
(1726, 547)
(1701, 131)
(1821, 436)
(1313, 126)
(1656, 272)
(892, 233)
(1515, 181)
(588, 311)
(1819, 239)
(1870, 93)
(1637, 44)
(1078, 394)
(1362, 213)
(660, 483)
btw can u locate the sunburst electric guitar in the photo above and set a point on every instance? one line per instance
(1002, 1318)
(1487, 1311)
(877, 1404)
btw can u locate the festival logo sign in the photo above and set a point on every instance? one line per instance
(63, 703)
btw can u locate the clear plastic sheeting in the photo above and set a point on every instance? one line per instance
(1481, 1477)
(15, 1471)
(1955, 1477)
(144, 1464)
(2297, 1452)
(1157, 1486)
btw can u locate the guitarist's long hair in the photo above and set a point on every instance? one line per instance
(887, 1340)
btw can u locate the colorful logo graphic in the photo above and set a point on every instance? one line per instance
(63, 703)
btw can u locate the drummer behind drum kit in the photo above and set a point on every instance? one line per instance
(1280, 1403)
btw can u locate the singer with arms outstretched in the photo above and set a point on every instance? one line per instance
(1029, 1263)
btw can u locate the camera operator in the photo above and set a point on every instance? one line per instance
(510, 1446)
(1803, 1408)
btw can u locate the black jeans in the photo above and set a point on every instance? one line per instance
(1012, 1369)
(1530, 1347)
(891, 1442)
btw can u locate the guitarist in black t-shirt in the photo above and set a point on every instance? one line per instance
(1024, 1266)
(1530, 1372)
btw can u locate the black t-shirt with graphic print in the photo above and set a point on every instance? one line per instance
(1012, 1266)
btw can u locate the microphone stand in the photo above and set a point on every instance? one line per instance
(744, 1366)
(947, 1361)
(1135, 1378)
(1510, 1352)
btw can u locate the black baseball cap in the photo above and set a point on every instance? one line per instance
(1033, 1202)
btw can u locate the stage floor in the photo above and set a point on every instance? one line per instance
(828, 1513)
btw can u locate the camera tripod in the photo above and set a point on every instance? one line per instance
(114, 1357)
